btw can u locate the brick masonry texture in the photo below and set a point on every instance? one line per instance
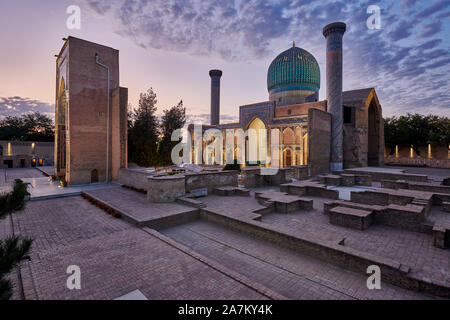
(222, 252)
(293, 275)
(115, 258)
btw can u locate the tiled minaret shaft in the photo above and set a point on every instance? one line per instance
(334, 33)
(215, 95)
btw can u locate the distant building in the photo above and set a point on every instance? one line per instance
(25, 154)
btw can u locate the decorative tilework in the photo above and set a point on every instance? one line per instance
(293, 69)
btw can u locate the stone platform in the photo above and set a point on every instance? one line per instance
(234, 247)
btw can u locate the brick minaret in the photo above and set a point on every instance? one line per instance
(215, 95)
(334, 32)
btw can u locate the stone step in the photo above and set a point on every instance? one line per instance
(191, 202)
(333, 180)
(231, 191)
(347, 180)
(348, 204)
(350, 217)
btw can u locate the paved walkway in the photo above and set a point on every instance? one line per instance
(289, 273)
(136, 206)
(115, 258)
(411, 248)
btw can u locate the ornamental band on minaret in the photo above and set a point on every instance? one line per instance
(334, 32)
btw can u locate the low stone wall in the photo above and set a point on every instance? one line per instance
(211, 180)
(165, 188)
(252, 176)
(432, 163)
(380, 175)
(133, 178)
(370, 197)
(391, 271)
(402, 217)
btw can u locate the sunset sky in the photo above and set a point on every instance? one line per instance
(171, 45)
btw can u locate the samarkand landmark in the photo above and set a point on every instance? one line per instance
(343, 131)
(333, 221)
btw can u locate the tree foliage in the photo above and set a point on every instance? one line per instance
(172, 119)
(416, 130)
(29, 127)
(13, 249)
(143, 132)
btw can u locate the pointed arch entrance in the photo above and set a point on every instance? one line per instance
(374, 123)
(256, 143)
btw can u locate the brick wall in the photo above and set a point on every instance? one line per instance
(133, 178)
(211, 180)
(428, 162)
(319, 141)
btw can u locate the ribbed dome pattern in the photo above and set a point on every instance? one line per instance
(293, 69)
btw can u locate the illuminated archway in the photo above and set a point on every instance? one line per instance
(305, 150)
(256, 142)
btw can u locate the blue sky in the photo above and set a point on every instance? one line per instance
(170, 45)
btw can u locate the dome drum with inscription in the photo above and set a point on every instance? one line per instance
(293, 77)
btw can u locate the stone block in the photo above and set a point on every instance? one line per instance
(197, 193)
(347, 179)
(165, 188)
(327, 206)
(211, 180)
(363, 180)
(332, 180)
(349, 217)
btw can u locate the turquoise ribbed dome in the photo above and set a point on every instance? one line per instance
(293, 69)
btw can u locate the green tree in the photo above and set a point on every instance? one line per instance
(439, 131)
(29, 127)
(391, 133)
(416, 130)
(143, 133)
(13, 249)
(172, 119)
(40, 127)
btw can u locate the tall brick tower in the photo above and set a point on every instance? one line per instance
(90, 113)
(334, 33)
(215, 95)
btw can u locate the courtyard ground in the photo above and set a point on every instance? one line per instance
(198, 259)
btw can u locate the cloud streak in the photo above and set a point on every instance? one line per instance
(402, 60)
(17, 106)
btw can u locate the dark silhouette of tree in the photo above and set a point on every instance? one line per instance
(29, 127)
(391, 133)
(172, 119)
(13, 249)
(415, 130)
(143, 133)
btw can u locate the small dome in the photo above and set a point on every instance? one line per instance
(293, 69)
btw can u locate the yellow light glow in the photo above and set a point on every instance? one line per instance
(305, 150)
(411, 152)
(429, 151)
(396, 151)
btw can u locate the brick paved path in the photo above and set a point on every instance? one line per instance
(414, 249)
(289, 273)
(136, 205)
(114, 256)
